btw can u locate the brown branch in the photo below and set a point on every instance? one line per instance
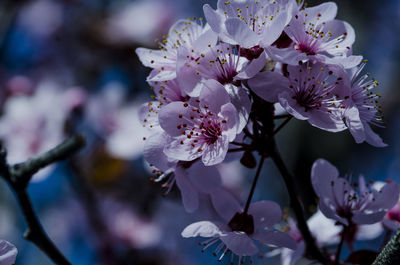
(18, 177)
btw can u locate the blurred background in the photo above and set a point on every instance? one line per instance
(69, 66)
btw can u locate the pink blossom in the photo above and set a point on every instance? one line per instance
(361, 108)
(391, 220)
(192, 178)
(252, 25)
(238, 231)
(202, 130)
(339, 201)
(307, 93)
(8, 253)
(33, 124)
(183, 34)
(317, 36)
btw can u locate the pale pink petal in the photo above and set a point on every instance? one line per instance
(368, 218)
(355, 124)
(252, 68)
(286, 55)
(213, 95)
(322, 175)
(215, 153)
(275, 238)
(152, 58)
(184, 152)
(324, 12)
(205, 179)
(326, 231)
(190, 196)
(173, 114)
(241, 33)
(274, 29)
(186, 72)
(161, 75)
(8, 253)
(225, 204)
(265, 214)
(230, 114)
(390, 224)
(203, 229)
(241, 100)
(205, 40)
(292, 107)
(325, 121)
(289, 257)
(214, 19)
(153, 151)
(372, 138)
(386, 197)
(240, 244)
(268, 85)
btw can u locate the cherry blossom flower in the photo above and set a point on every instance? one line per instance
(339, 201)
(326, 232)
(392, 218)
(317, 36)
(8, 253)
(139, 22)
(184, 33)
(222, 62)
(202, 130)
(361, 108)
(307, 93)
(253, 25)
(237, 232)
(33, 124)
(192, 178)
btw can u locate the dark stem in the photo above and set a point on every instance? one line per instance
(339, 249)
(236, 150)
(312, 248)
(282, 125)
(253, 186)
(390, 255)
(283, 116)
(18, 177)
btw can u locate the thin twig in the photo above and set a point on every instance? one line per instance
(312, 248)
(18, 177)
(253, 186)
(339, 249)
(283, 116)
(282, 125)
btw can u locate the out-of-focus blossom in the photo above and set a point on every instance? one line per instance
(361, 108)
(318, 37)
(202, 130)
(237, 232)
(19, 85)
(8, 253)
(326, 232)
(307, 93)
(33, 124)
(126, 226)
(116, 121)
(185, 34)
(251, 24)
(41, 17)
(339, 201)
(139, 22)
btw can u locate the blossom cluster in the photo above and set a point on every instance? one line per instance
(207, 77)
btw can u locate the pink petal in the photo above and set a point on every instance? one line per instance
(152, 58)
(205, 179)
(252, 68)
(8, 253)
(229, 113)
(190, 196)
(240, 99)
(265, 214)
(325, 12)
(276, 238)
(241, 33)
(153, 151)
(184, 152)
(213, 95)
(203, 229)
(386, 197)
(174, 114)
(372, 138)
(368, 218)
(292, 107)
(268, 85)
(355, 124)
(213, 18)
(274, 28)
(225, 204)
(240, 244)
(215, 153)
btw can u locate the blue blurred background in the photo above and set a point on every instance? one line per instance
(100, 207)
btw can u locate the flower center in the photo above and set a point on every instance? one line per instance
(304, 49)
(252, 53)
(307, 99)
(211, 133)
(242, 222)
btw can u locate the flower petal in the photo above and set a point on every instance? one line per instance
(372, 138)
(190, 196)
(8, 253)
(203, 229)
(213, 95)
(205, 179)
(173, 114)
(153, 151)
(368, 218)
(265, 214)
(215, 153)
(268, 85)
(184, 152)
(240, 244)
(276, 238)
(322, 175)
(386, 197)
(241, 33)
(240, 99)
(225, 204)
